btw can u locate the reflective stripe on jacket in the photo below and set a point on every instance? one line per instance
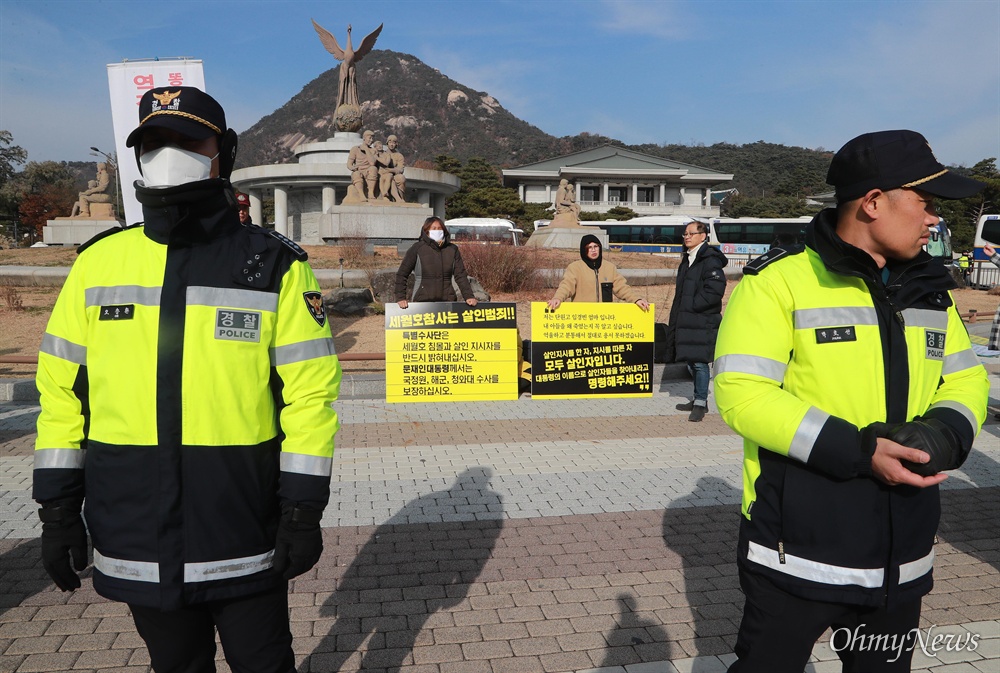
(812, 349)
(186, 392)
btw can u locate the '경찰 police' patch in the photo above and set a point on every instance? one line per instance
(233, 325)
(314, 302)
(935, 345)
(117, 312)
(836, 335)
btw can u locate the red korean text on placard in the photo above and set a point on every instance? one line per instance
(142, 83)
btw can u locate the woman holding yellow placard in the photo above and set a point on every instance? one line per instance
(434, 260)
(593, 279)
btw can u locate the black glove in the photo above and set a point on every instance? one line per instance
(932, 437)
(63, 536)
(299, 543)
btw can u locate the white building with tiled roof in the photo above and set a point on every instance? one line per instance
(609, 176)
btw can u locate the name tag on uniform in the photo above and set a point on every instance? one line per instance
(237, 325)
(117, 312)
(935, 345)
(834, 335)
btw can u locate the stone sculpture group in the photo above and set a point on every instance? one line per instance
(96, 192)
(566, 207)
(376, 171)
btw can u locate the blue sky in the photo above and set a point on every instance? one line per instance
(798, 72)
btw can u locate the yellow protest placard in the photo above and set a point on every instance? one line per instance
(587, 349)
(450, 352)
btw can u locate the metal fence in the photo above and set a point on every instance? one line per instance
(984, 274)
(738, 261)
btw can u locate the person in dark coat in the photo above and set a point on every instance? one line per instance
(696, 312)
(434, 260)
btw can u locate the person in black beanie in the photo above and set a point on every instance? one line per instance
(592, 278)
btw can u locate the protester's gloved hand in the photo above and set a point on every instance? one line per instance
(933, 438)
(299, 543)
(63, 536)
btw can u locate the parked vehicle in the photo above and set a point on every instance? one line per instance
(987, 231)
(484, 230)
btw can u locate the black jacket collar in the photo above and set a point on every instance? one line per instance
(192, 213)
(909, 280)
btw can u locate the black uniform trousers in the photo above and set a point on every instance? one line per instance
(253, 630)
(779, 630)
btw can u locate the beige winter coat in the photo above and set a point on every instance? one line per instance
(581, 283)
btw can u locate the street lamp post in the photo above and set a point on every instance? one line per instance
(114, 166)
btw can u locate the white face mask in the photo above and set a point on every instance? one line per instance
(436, 235)
(169, 166)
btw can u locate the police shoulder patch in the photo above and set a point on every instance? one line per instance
(105, 234)
(300, 254)
(314, 303)
(755, 266)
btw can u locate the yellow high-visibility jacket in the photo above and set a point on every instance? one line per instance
(813, 348)
(186, 376)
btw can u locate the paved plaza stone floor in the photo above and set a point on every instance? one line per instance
(514, 537)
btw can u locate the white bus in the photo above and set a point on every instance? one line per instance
(984, 274)
(484, 230)
(987, 231)
(756, 235)
(664, 233)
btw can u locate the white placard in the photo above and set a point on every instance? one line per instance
(128, 81)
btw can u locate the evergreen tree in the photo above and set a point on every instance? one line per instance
(962, 215)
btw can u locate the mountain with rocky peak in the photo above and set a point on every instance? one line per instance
(433, 114)
(430, 113)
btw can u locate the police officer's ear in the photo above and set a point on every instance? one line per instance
(872, 203)
(227, 153)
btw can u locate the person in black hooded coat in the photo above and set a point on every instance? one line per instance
(592, 278)
(696, 313)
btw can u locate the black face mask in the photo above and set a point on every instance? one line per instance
(191, 212)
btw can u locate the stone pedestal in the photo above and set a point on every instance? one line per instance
(565, 237)
(373, 221)
(75, 230)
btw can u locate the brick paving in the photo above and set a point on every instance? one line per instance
(527, 536)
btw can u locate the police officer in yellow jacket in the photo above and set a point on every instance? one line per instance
(965, 266)
(848, 372)
(186, 376)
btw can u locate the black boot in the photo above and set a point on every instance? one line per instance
(697, 413)
(686, 406)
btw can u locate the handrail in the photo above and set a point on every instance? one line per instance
(968, 316)
(343, 357)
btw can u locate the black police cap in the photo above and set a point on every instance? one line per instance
(184, 109)
(892, 159)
